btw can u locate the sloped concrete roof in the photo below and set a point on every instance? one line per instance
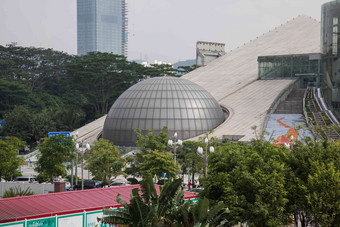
(232, 78)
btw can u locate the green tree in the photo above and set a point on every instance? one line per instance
(323, 194)
(103, 161)
(54, 152)
(145, 144)
(250, 180)
(150, 141)
(101, 78)
(159, 70)
(12, 93)
(9, 161)
(315, 169)
(189, 160)
(182, 70)
(19, 124)
(157, 163)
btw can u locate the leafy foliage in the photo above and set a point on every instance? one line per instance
(103, 161)
(54, 152)
(17, 191)
(9, 161)
(157, 163)
(251, 181)
(167, 209)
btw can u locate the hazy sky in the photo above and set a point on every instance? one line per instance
(165, 30)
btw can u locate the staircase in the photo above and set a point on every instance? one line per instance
(292, 104)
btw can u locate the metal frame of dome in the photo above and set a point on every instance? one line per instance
(181, 105)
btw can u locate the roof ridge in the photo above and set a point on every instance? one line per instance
(274, 29)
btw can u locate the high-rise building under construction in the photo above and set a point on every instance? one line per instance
(102, 26)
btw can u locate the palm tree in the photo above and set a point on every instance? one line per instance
(167, 209)
(147, 209)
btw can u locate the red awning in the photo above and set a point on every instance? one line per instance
(62, 203)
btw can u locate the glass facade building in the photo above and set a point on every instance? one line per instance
(330, 43)
(181, 105)
(102, 26)
(307, 67)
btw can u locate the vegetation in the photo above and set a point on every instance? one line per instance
(9, 160)
(104, 162)
(166, 209)
(54, 152)
(44, 90)
(17, 191)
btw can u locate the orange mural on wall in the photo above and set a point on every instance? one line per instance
(289, 138)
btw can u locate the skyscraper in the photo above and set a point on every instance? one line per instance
(102, 26)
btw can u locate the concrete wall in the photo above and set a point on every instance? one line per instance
(36, 188)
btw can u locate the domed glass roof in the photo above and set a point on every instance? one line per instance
(181, 105)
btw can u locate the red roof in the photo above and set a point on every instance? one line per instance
(62, 203)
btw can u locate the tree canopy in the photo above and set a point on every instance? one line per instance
(54, 152)
(9, 161)
(103, 161)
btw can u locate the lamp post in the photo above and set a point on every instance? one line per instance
(82, 150)
(175, 144)
(76, 164)
(205, 156)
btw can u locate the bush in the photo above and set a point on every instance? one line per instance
(17, 191)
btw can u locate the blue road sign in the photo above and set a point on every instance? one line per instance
(2, 123)
(164, 175)
(58, 133)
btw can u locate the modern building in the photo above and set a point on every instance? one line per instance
(102, 26)
(179, 104)
(251, 81)
(330, 44)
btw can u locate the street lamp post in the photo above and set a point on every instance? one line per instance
(205, 156)
(80, 149)
(175, 144)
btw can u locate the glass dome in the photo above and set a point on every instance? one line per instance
(181, 105)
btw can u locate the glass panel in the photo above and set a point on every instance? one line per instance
(196, 113)
(192, 124)
(171, 114)
(182, 103)
(135, 124)
(154, 94)
(143, 113)
(148, 124)
(157, 113)
(170, 103)
(137, 113)
(131, 113)
(164, 113)
(163, 103)
(178, 125)
(177, 113)
(156, 124)
(176, 103)
(184, 113)
(185, 125)
(190, 113)
(171, 124)
(163, 123)
(199, 125)
(141, 124)
(157, 103)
